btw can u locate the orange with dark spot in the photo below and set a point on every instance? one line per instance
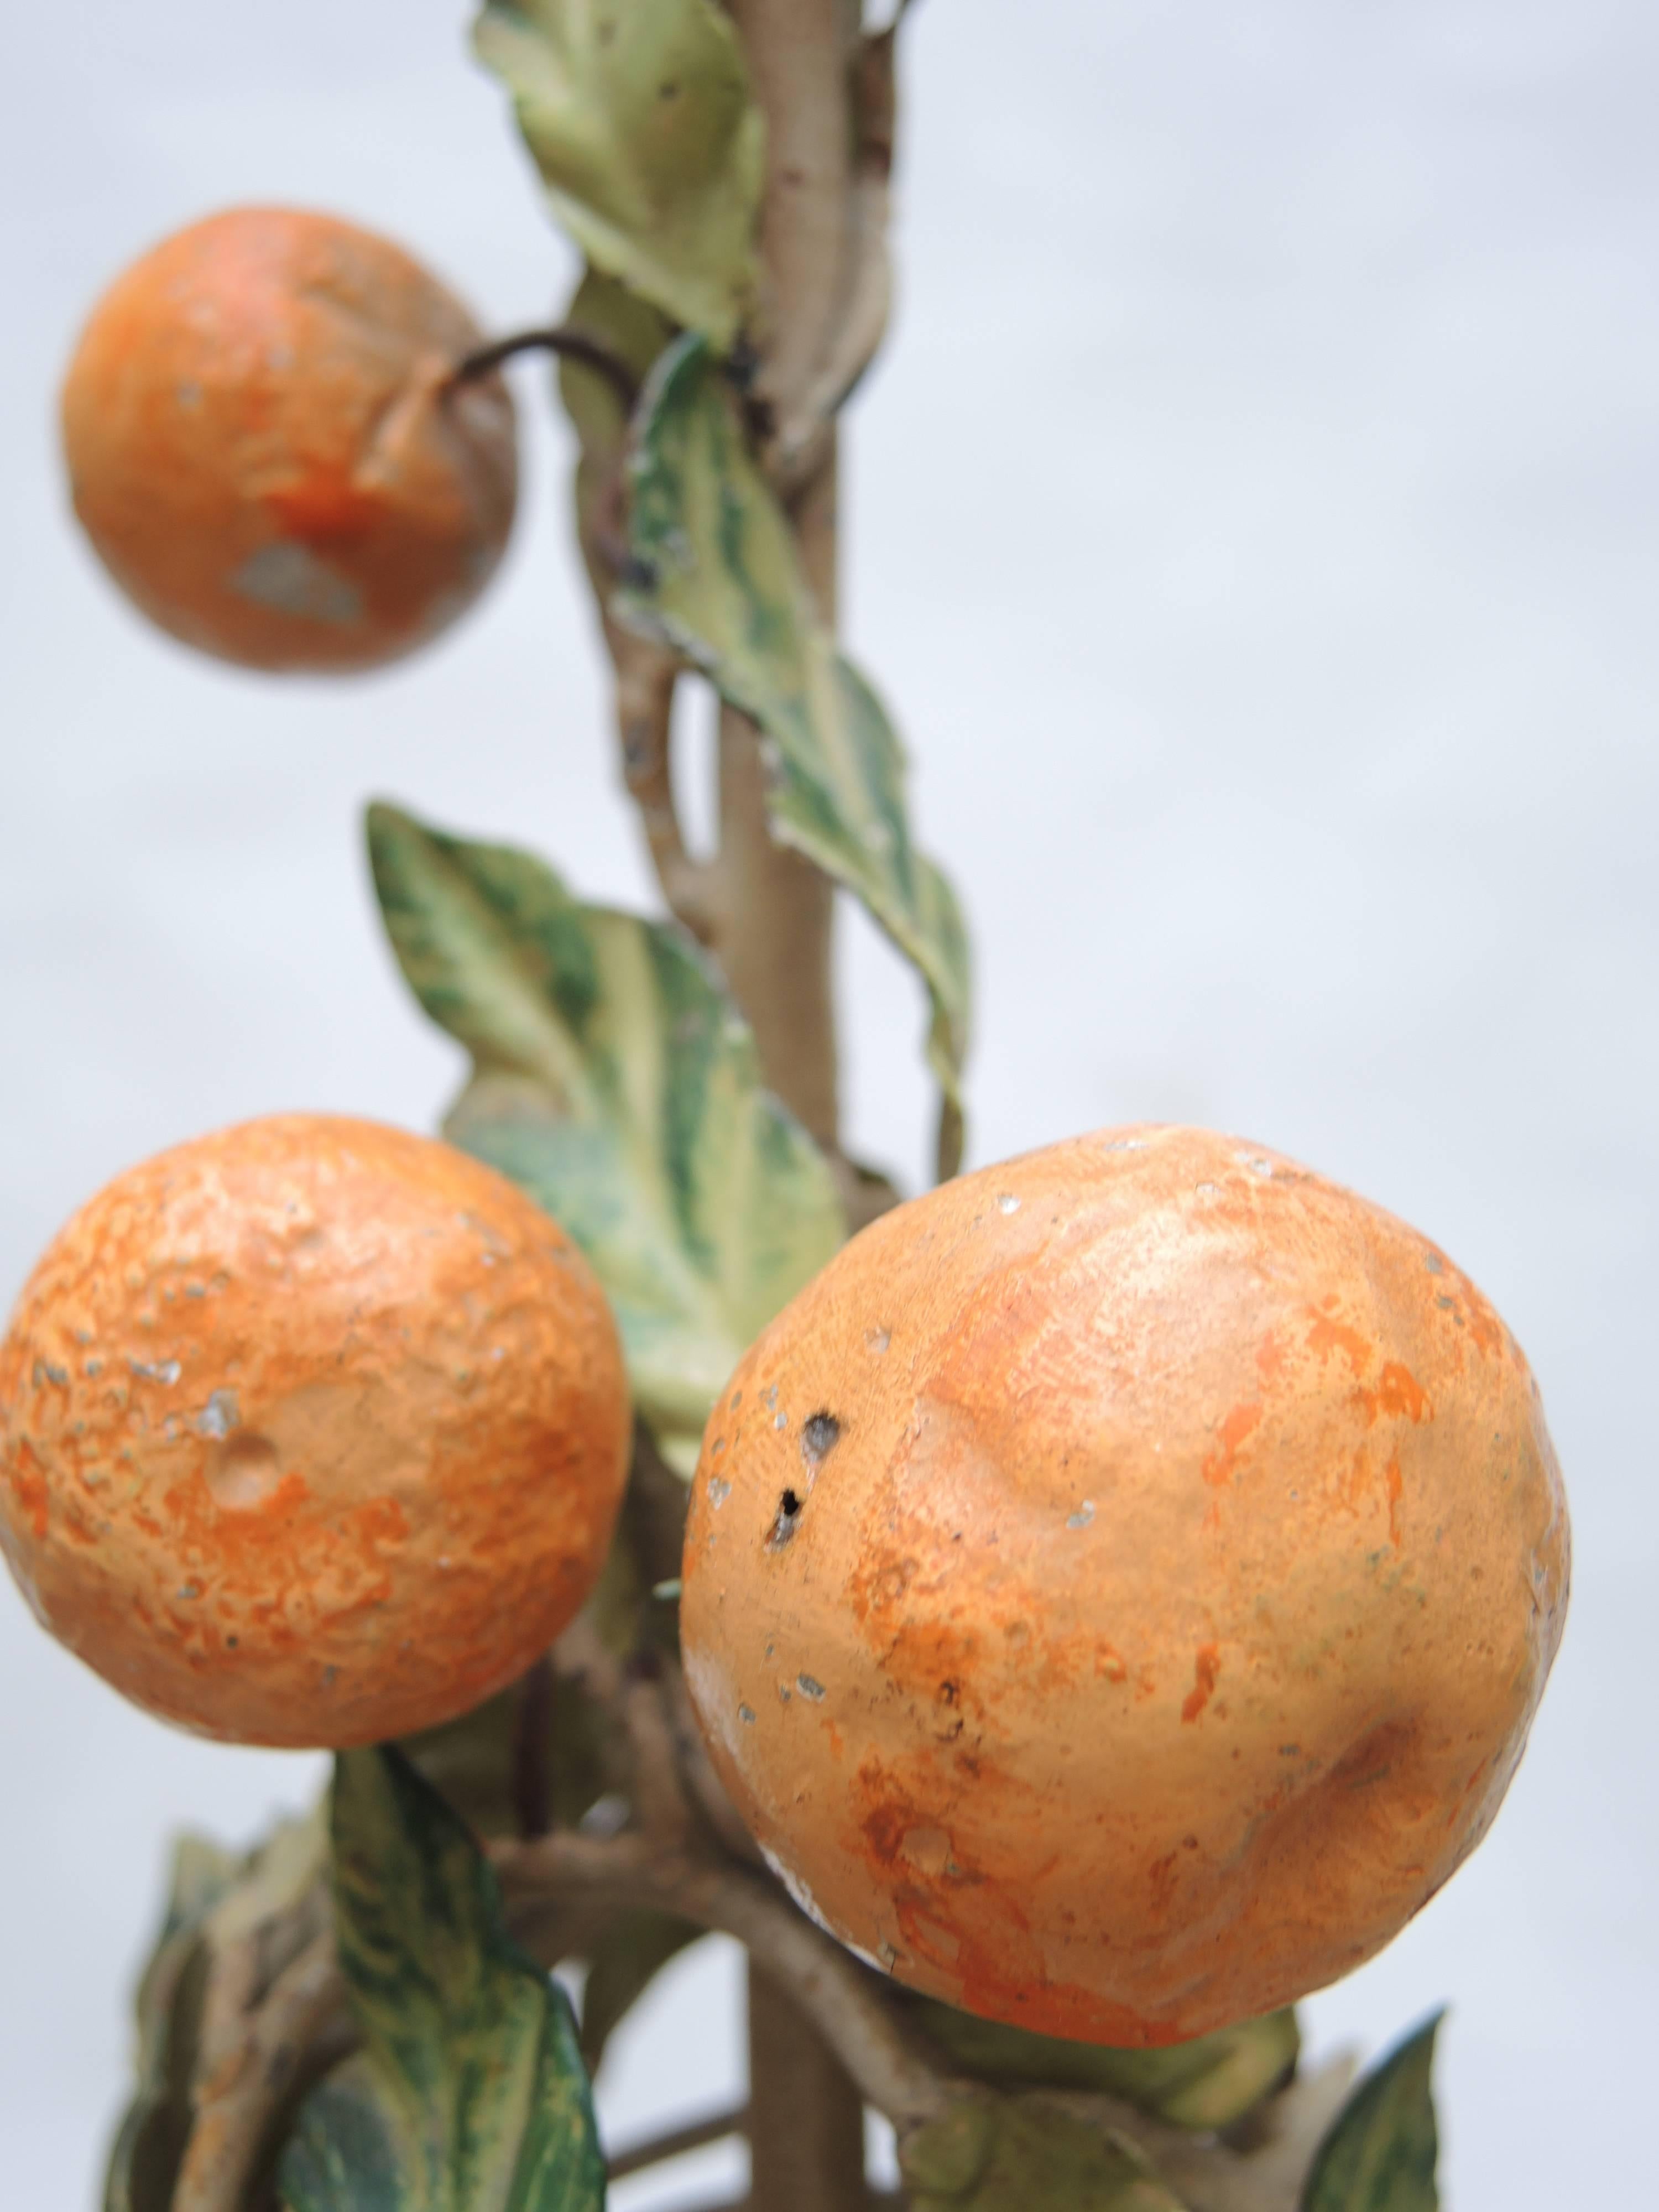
(262, 449)
(1177, 1585)
(311, 1433)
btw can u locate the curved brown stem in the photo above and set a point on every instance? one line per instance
(646, 677)
(556, 338)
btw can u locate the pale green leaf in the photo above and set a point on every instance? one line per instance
(1209, 2083)
(615, 1081)
(143, 2164)
(640, 121)
(1381, 2150)
(1020, 2154)
(469, 2094)
(718, 577)
(214, 1898)
(634, 333)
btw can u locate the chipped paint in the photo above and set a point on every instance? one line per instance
(1310, 1498)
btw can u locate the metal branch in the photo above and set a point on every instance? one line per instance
(646, 675)
(838, 1996)
(801, 440)
(657, 2150)
(255, 2050)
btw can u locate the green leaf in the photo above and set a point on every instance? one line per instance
(630, 329)
(1380, 2154)
(650, 146)
(1018, 2154)
(1209, 2083)
(720, 581)
(469, 2095)
(616, 1082)
(144, 2165)
(215, 1899)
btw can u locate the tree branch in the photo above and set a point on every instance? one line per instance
(836, 1993)
(255, 2051)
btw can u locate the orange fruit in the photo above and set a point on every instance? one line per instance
(261, 450)
(312, 1432)
(1118, 1588)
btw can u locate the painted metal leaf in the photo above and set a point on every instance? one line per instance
(1381, 2153)
(640, 121)
(215, 1901)
(1209, 2083)
(616, 1082)
(725, 588)
(469, 2094)
(144, 2165)
(1017, 2154)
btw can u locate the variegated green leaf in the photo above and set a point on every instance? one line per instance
(616, 1082)
(1209, 2083)
(1020, 2154)
(635, 334)
(1380, 2155)
(215, 1899)
(144, 2165)
(469, 2094)
(719, 578)
(650, 146)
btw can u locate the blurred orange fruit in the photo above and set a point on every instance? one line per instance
(312, 1432)
(262, 450)
(1117, 1589)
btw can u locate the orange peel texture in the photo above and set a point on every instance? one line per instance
(1117, 1589)
(311, 1433)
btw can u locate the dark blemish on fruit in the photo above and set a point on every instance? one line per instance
(787, 1521)
(820, 1434)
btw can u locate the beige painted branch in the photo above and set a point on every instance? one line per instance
(775, 911)
(255, 2049)
(837, 1994)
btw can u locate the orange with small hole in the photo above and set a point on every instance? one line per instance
(1117, 1589)
(313, 1432)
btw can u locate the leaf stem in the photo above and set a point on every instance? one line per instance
(555, 339)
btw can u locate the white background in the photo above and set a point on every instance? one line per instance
(1253, 525)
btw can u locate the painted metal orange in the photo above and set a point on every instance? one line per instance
(312, 1432)
(1117, 1589)
(260, 451)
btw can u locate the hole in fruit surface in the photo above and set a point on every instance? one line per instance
(242, 1472)
(819, 1436)
(788, 1520)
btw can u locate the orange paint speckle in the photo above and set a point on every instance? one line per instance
(1399, 1392)
(1235, 1429)
(1205, 1668)
(1326, 1335)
